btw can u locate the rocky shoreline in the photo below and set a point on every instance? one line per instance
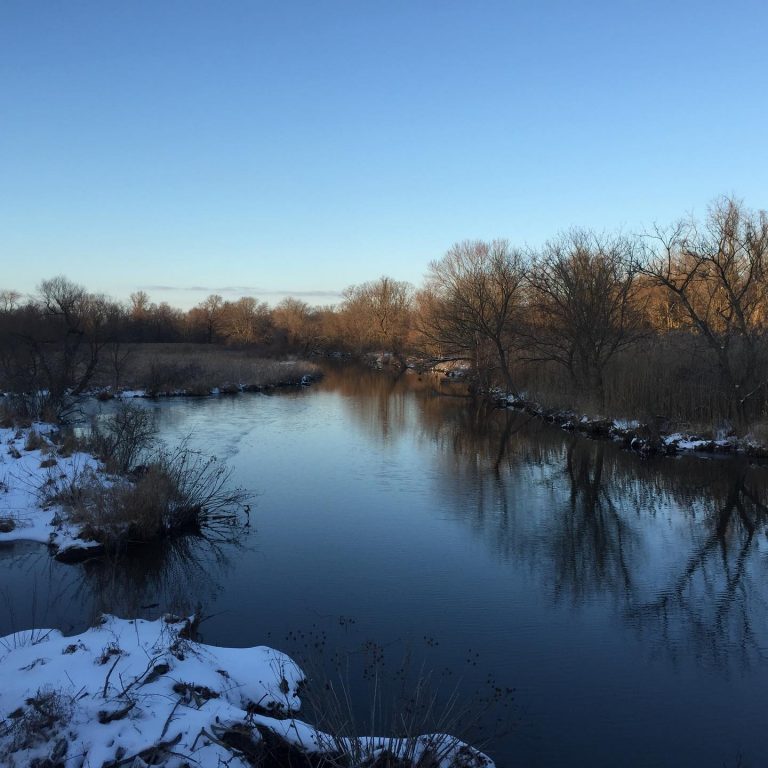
(646, 439)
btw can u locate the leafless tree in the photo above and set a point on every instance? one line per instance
(51, 347)
(472, 301)
(298, 321)
(378, 313)
(717, 274)
(211, 311)
(9, 300)
(245, 321)
(585, 304)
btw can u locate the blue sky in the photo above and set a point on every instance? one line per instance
(185, 148)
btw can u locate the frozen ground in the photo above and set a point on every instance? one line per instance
(137, 693)
(30, 468)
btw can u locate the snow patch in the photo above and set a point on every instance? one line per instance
(125, 690)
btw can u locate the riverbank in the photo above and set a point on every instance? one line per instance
(659, 438)
(129, 692)
(198, 370)
(32, 467)
(115, 487)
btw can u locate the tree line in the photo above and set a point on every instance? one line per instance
(671, 321)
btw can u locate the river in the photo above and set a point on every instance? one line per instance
(624, 600)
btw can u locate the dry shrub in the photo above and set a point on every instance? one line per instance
(670, 376)
(41, 719)
(35, 441)
(122, 510)
(177, 492)
(7, 524)
(418, 717)
(124, 438)
(68, 443)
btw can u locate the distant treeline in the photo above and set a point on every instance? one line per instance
(669, 323)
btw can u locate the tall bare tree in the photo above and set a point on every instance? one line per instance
(210, 313)
(585, 304)
(9, 300)
(717, 274)
(298, 321)
(472, 301)
(246, 321)
(378, 314)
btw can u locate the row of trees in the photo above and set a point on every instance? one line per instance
(584, 299)
(577, 305)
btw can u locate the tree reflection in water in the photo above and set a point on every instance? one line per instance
(180, 575)
(715, 595)
(679, 544)
(591, 541)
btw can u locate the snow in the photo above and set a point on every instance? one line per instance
(123, 687)
(625, 425)
(130, 393)
(136, 663)
(24, 478)
(685, 443)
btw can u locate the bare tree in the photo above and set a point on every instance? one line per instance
(472, 303)
(51, 347)
(139, 304)
(378, 314)
(245, 321)
(585, 304)
(211, 310)
(299, 322)
(9, 300)
(716, 273)
(78, 322)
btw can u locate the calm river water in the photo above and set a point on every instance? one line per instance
(624, 600)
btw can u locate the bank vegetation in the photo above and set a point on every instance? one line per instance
(668, 324)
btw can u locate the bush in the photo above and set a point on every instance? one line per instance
(42, 718)
(177, 492)
(415, 725)
(122, 440)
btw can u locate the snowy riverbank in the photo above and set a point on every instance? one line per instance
(32, 468)
(647, 439)
(134, 692)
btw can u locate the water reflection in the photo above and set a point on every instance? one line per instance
(678, 545)
(713, 599)
(181, 575)
(592, 545)
(617, 594)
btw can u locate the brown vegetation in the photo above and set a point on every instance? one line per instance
(672, 323)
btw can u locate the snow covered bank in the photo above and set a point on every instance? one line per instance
(67, 499)
(134, 692)
(31, 465)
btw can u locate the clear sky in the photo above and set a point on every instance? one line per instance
(266, 148)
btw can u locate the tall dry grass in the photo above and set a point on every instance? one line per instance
(670, 378)
(198, 368)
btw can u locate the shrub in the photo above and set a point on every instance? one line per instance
(41, 719)
(35, 441)
(415, 724)
(177, 491)
(121, 440)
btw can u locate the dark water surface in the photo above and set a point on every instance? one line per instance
(624, 600)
